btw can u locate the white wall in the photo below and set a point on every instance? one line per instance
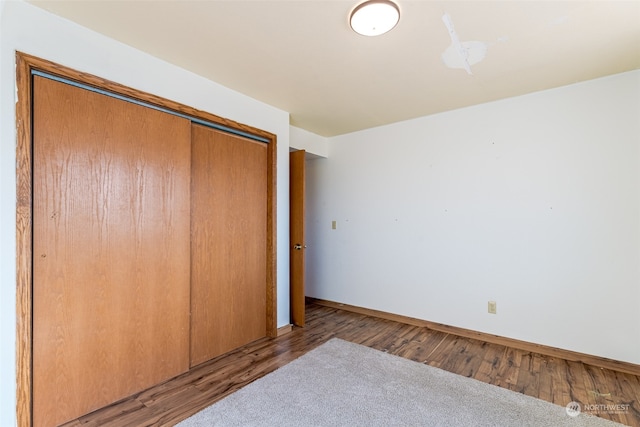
(533, 202)
(7, 246)
(315, 145)
(31, 30)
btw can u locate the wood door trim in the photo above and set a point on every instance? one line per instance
(45, 66)
(24, 280)
(24, 247)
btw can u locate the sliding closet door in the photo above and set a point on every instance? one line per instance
(228, 242)
(111, 249)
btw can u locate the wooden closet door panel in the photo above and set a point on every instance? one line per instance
(111, 249)
(228, 242)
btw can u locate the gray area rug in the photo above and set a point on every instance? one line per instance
(346, 384)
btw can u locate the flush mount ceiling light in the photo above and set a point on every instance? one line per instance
(374, 17)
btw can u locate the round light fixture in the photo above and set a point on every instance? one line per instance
(374, 17)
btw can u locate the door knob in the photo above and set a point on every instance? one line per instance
(298, 246)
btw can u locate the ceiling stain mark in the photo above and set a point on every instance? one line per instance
(561, 20)
(462, 54)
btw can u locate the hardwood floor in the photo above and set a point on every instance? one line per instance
(551, 379)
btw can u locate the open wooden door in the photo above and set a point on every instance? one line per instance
(298, 246)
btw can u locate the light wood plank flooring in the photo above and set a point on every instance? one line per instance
(551, 379)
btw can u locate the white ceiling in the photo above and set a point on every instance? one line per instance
(302, 57)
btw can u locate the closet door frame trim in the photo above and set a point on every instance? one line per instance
(25, 66)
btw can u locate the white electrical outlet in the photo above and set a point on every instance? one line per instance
(492, 307)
